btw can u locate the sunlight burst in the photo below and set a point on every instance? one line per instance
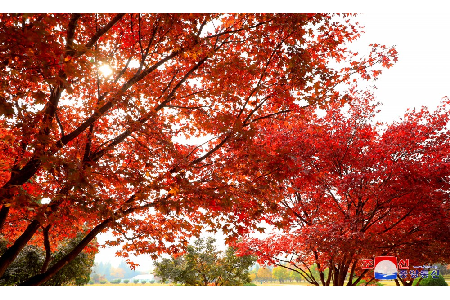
(105, 70)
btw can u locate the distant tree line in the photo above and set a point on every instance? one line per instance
(273, 274)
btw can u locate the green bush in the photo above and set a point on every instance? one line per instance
(126, 281)
(143, 281)
(152, 281)
(103, 281)
(430, 281)
(136, 281)
(115, 281)
(249, 284)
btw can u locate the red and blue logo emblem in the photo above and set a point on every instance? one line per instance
(385, 267)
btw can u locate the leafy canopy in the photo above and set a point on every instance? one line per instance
(355, 189)
(81, 148)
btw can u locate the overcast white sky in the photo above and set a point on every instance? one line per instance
(422, 74)
(420, 77)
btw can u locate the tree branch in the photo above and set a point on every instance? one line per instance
(101, 32)
(47, 248)
(71, 33)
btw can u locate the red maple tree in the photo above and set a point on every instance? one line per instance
(356, 189)
(84, 149)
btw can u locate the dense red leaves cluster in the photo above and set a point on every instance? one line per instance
(84, 150)
(357, 189)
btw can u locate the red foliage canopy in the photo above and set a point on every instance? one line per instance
(107, 151)
(354, 189)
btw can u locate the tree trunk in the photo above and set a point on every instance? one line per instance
(3, 215)
(43, 277)
(47, 249)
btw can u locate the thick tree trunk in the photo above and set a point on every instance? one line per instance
(3, 215)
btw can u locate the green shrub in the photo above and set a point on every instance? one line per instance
(152, 281)
(115, 281)
(249, 284)
(126, 281)
(103, 281)
(136, 281)
(144, 281)
(430, 281)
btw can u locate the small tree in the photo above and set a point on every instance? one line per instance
(295, 276)
(264, 274)
(204, 265)
(280, 273)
